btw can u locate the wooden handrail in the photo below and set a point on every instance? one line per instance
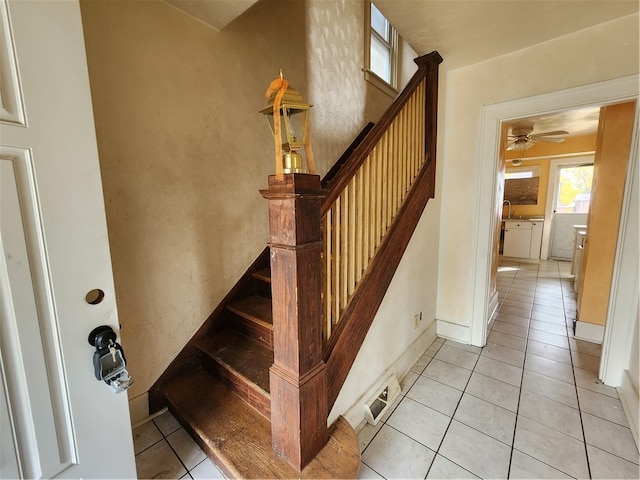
(360, 260)
(425, 64)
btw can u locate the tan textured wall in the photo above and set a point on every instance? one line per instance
(343, 100)
(603, 221)
(183, 150)
(183, 154)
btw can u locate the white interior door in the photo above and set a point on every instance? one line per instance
(57, 419)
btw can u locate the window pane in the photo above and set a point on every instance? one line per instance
(574, 189)
(380, 59)
(509, 175)
(379, 23)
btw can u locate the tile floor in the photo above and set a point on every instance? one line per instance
(165, 450)
(527, 405)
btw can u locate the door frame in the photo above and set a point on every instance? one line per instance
(594, 95)
(552, 193)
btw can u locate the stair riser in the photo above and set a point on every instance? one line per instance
(252, 329)
(248, 391)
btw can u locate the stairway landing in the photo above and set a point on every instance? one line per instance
(238, 438)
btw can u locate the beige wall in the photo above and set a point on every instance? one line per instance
(595, 54)
(344, 101)
(184, 152)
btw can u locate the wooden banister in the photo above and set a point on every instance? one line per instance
(370, 213)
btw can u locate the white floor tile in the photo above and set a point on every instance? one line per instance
(550, 388)
(394, 455)
(551, 447)
(458, 357)
(551, 414)
(419, 422)
(610, 437)
(476, 452)
(602, 406)
(589, 380)
(511, 329)
(606, 466)
(166, 423)
(507, 340)
(159, 461)
(206, 470)
(550, 338)
(525, 467)
(549, 368)
(499, 370)
(445, 468)
(366, 434)
(494, 391)
(495, 421)
(504, 354)
(463, 346)
(551, 352)
(559, 329)
(447, 373)
(367, 473)
(144, 436)
(190, 453)
(436, 395)
(420, 365)
(586, 362)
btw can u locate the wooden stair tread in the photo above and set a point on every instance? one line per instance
(255, 308)
(264, 275)
(239, 353)
(238, 439)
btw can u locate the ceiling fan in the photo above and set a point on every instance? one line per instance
(522, 138)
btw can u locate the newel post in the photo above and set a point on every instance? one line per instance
(298, 377)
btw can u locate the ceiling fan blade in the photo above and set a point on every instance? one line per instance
(549, 139)
(549, 134)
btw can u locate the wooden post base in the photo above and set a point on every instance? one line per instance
(298, 377)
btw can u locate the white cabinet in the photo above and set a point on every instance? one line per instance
(517, 239)
(522, 238)
(536, 239)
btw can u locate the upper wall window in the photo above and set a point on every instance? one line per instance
(523, 172)
(381, 50)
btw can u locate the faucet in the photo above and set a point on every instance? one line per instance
(508, 211)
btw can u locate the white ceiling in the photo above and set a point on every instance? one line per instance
(582, 121)
(470, 31)
(216, 13)
(463, 31)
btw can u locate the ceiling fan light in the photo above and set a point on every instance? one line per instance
(516, 162)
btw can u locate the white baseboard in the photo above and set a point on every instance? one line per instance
(139, 408)
(589, 332)
(400, 367)
(631, 404)
(453, 331)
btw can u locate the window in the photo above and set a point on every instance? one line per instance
(525, 172)
(574, 189)
(381, 50)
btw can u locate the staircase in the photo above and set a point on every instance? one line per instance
(218, 386)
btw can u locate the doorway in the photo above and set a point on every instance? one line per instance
(572, 195)
(603, 93)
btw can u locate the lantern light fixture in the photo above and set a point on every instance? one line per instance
(287, 114)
